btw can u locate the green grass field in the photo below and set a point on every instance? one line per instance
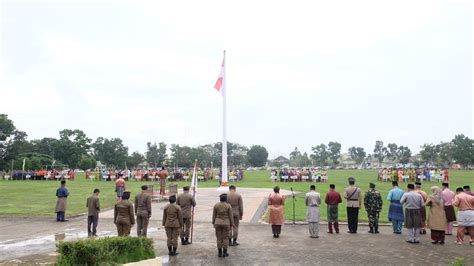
(37, 198)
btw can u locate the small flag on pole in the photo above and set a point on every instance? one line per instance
(219, 86)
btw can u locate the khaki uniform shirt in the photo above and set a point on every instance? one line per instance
(186, 201)
(123, 212)
(353, 199)
(235, 201)
(222, 214)
(143, 205)
(172, 216)
(93, 205)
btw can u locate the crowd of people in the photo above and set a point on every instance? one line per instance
(413, 174)
(51, 174)
(299, 175)
(407, 208)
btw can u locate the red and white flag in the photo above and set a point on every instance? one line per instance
(220, 80)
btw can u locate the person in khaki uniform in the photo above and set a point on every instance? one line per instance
(93, 207)
(222, 219)
(124, 217)
(186, 201)
(143, 211)
(172, 221)
(235, 201)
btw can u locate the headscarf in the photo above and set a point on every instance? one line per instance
(436, 194)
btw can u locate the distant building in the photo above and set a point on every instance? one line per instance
(282, 160)
(100, 166)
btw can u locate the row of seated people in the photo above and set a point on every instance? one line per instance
(299, 175)
(411, 174)
(53, 174)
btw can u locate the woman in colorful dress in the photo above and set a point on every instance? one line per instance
(276, 201)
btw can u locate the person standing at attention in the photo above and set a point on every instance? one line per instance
(93, 209)
(373, 205)
(333, 198)
(61, 193)
(222, 220)
(276, 201)
(413, 203)
(235, 201)
(143, 211)
(448, 197)
(395, 211)
(313, 201)
(352, 195)
(186, 201)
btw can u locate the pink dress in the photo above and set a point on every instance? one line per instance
(275, 204)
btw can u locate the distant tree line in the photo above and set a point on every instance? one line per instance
(459, 150)
(74, 149)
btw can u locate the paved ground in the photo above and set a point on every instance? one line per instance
(30, 241)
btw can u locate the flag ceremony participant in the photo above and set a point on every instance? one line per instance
(172, 221)
(313, 201)
(61, 193)
(222, 220)
(373, 205)
(236, 202)
(437, 217)
(424, 195)
(395, 211)
(448, 197)
(143, 211)
(124, 216)
(352, 195)
(186, 201)
(465, 204)
(333, 198)
(93, 209)
(276, 201)
(413, 203)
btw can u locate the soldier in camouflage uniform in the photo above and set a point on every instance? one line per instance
(373, 205)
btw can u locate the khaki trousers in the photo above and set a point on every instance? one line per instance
(142, 225)
(186, 228)
(234, 231)
(123, 229)
(172, 233)
(222, 235)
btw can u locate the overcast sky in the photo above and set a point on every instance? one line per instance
(299, 73)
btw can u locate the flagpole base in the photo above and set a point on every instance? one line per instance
(224, 187)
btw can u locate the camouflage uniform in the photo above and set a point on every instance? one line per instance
(373, 205)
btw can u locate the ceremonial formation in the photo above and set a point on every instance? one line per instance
(407, 209)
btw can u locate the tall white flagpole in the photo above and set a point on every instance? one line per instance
(224, 179)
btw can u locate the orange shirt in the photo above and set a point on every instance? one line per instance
(464, 201)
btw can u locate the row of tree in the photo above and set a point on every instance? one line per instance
(459, 150)
(75, 150)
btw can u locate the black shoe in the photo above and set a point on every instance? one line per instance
(434, 242)
(235, 243)
(219, 252)
(186, 241)
(441, 242)
(170, 251)
(65, 220)
(376, 230)
(278, 235)
(183, 241)
(274, 236)
(174, 251)
(230, 242)
(224, 253)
